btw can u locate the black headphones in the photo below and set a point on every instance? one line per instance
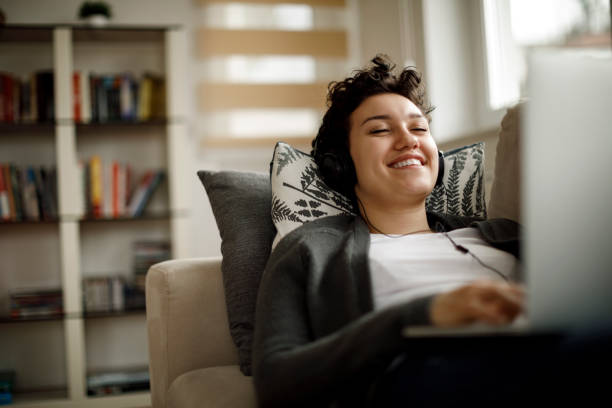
(338, 171)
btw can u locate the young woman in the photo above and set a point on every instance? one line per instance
(337, 292)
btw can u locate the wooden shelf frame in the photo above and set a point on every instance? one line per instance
(65, 131)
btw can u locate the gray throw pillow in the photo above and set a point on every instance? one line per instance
(241, 204)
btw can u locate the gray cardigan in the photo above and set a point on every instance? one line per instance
(318, 341)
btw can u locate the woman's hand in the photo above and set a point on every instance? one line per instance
(481, 301)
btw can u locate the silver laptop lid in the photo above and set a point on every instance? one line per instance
(567, 189)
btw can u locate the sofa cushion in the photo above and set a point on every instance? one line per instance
(299, 194)
(218, 387)
(505, 199)
(241, 203)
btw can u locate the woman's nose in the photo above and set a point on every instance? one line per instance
(406, 139)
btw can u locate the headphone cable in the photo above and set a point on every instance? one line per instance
(458, 247)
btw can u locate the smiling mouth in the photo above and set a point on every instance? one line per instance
(407, 163)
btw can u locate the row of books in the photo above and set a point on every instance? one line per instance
(114, 293)
(97, 98)
(110, 189)
(46, 302)
(27, 193)
(7, 384)
(117, 382)
(100, 294)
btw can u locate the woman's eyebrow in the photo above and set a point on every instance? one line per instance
(387, 117)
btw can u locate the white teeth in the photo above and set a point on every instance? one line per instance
(404, 163)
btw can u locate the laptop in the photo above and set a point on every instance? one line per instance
(566, 149)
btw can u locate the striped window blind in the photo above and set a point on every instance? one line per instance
(263, 67)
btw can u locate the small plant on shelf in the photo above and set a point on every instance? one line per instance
(96, 13)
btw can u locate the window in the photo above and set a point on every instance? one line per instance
(513, 27)
(263, 67)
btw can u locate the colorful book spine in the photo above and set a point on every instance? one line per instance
(15, 177)
(85, 96)
(9, 188)
(5, 210)
(96, 186)
(76, 97)
(30, 198)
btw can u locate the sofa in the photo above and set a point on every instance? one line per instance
(194, 350)
(193, 360)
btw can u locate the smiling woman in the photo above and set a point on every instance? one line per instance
(338, 291)
(393, 151)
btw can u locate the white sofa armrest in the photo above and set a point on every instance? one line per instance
(186, 321)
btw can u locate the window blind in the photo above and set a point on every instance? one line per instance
(263, 67)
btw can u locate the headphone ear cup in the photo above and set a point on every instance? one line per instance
(331, 169)
(440, 168)
(337, 171)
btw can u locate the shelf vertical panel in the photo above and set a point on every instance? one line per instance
(179, 152)
(73, 327)
(62, 57)
(69, 198)
(68, 182)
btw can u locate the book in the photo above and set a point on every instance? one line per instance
(144, 98)
(96, 186)
(36, 302)
(25, 102)
(45, 96)
(48, 182)
(15, 177)
(93, 97)
(120, 185)
(30, 198)
(77, 103)
(142, 195)
(102, 294)
(7, 97)
(7, 383)
(107, 189)
(85, 96)
(33, 98)
(8, 183)
(5, 210)
(118, 382)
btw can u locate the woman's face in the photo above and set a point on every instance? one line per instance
(395, 156)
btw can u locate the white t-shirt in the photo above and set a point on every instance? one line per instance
(412, 266)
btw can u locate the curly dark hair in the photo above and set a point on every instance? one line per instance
(330, 147)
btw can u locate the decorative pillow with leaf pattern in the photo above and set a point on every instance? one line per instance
(299, 194)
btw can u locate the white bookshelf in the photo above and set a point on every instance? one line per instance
(72, 247)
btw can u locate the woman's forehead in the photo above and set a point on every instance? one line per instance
(388, 105)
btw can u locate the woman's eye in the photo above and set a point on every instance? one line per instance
(419, 130)
(378, 131)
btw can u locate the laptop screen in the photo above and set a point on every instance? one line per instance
(567, 188)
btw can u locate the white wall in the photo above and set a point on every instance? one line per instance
(455, 69)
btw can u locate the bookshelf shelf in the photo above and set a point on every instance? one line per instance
(30, 319)
(63, 316)
(114, 313)
(30, 222)
(73, 251)
(145, 217)
(14, 129)
(26, 33)
(123, 125)
(26, 397)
